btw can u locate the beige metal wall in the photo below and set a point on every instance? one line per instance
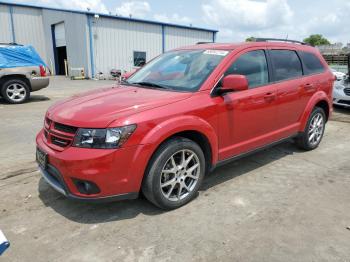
(5, 25)
(76, 35)
(28, 26)
(115, 41)
(177, 37)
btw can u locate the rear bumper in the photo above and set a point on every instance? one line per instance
(38, 83)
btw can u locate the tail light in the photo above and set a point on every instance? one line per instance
(42, 71)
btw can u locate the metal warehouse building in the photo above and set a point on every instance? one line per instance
(95, 42)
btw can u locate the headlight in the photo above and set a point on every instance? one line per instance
(103, 138)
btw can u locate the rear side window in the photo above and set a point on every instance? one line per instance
(253, 65)
(286, 64)
(312, 65)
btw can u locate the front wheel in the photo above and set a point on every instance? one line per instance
(314, 130)
(175, 173)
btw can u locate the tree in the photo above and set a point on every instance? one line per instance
(250, 39)
(316, 40)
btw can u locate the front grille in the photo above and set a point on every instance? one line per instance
(58, 135)
(65, 128)
(48, 121)
(347, 91)
(59, 141)
(346, 102)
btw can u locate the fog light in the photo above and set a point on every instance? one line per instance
(86, 187)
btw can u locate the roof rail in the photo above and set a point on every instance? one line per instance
(203, 43)
(9, 43)
(279, 40)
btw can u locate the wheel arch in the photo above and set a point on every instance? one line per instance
(14, 77)
(191, 127)
(319, 99)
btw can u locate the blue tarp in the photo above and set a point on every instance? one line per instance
(18, 55)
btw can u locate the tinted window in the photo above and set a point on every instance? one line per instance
(286, 64)
(253, 65)
(312, 64)
(139, 58)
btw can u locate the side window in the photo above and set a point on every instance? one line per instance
(312, 65)
(286, 64)
(139, 58)
(253, 65)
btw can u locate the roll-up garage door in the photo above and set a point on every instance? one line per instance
(60, 35)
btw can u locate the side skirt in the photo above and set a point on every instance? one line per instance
(248, 153)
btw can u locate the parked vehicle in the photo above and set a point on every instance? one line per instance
(339, 75)
(341, 93)
(180, 116)
(21, 71)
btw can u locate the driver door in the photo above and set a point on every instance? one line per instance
(247, 118)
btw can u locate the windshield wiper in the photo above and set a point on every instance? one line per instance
(149, 84)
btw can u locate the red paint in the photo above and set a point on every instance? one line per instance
(233, 123)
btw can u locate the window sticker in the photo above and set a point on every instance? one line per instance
(216, 52)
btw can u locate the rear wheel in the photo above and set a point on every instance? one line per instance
(175, 173)
(314, 130)
(15, 91)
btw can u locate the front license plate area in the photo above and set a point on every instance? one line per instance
(41, 158)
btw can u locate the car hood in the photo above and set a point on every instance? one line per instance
(98, 108)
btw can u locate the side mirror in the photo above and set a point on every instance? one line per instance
(126, 75)
(233, 83)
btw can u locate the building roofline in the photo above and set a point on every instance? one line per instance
(109, 16)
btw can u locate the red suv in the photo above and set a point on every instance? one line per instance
(180, 116)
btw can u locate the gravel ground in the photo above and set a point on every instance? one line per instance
(281, 204)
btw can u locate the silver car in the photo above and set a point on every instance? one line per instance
(16, 83)
(341, 93)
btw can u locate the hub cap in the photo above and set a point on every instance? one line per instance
(16, 92)
(316, 129)
(180, 175)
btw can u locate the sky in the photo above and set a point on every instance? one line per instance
(235, 19)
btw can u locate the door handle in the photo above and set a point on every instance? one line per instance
(309, 86)
(270, 96)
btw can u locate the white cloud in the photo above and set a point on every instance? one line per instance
(174, 18)
(247, 14)
(136, 9)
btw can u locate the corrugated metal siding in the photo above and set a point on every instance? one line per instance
(115, 40)
(29, 28)
(177, 37)
(76, 37)
(5, 25)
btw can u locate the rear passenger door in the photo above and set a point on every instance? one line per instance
(287, 74)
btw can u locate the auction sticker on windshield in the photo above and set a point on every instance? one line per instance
(216, 52)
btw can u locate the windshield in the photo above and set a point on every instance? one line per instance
(183, 70)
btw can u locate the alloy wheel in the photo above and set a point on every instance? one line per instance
(16, 92)
(180, 175)
(316, 129)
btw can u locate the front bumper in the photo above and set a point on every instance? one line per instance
(56, 182)
(117, 173)
(340, 97)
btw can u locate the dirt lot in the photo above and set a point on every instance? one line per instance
(281, 204)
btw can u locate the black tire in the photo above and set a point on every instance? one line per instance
(303, 140)
(8, 85)
(151, 185)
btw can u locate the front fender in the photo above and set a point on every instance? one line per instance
(178, 124)
(157, 135)
(316, 98)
